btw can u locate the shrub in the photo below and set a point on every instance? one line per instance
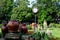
(0, 25)
(28, 27)
(58, 25)
(0, 32)
(52, 25)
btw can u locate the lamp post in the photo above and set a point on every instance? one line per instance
(35, 10)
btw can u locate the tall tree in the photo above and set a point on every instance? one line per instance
(48, 9)
(5, 9)
(8, 6)
(1, 10)
(21, 13)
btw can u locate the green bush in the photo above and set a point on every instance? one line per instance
(0, 32)
(0, 25)
(28, 27)
(52, 25)
(58, 25)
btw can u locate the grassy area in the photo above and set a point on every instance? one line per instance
(56, 33)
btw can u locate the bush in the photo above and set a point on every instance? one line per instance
(52, 25)
(0, 32)
(28, 27)
(0, 25)
(58, 25)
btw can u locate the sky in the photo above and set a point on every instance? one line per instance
(30, 2)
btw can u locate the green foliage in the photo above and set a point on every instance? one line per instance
(36, 35)
(58, 13)
(5, 11)
(41, 16)
(58, 25)
(54, 25)
(0, 25)
(49, 18)
(28, 27)
(21, 12)
(13, 16)
(40, 36)
(46, 9)
(1, 33)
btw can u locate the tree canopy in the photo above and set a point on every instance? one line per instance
(49, 10)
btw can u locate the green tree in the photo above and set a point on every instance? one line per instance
(47, 10)
(1, 9)
(5, 9)
(22, 13)
(8, 6)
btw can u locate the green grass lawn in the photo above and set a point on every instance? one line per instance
(56, 32)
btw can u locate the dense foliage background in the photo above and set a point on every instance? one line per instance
(49, 10)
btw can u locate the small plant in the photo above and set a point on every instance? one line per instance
(28, 27)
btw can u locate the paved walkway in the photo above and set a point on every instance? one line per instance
(1, 39)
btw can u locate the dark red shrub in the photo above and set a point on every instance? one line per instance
(4, 28)
(12, 26)
(23, 28)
